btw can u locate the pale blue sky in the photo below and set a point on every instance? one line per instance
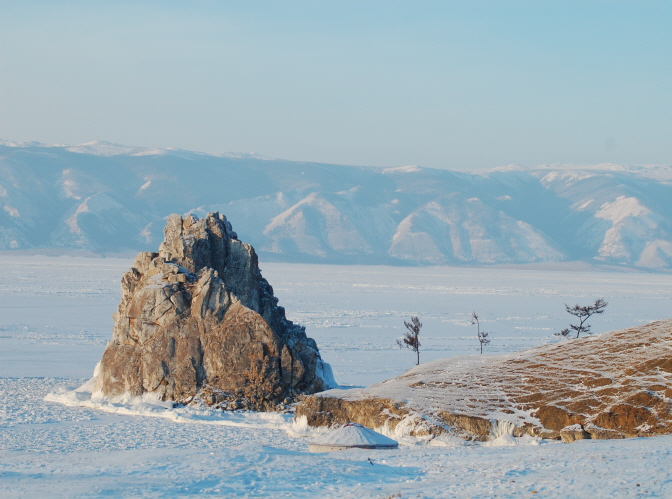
(460, 85)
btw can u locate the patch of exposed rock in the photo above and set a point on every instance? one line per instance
(614, 385)
(198, 322)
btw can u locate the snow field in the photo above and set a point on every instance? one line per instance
(53, 450)
(55, 321)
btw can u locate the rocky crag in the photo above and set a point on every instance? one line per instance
(198, 323)
(614, 385)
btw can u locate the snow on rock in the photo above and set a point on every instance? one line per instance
(97, 220)
(102, 148)
(458, 230)
(656, 254)
(625, 226)
(198, 323)
(568, 178)
(614, 385)
(632, 226)
(297, 226)
(401, 169)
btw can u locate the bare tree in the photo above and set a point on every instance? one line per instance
(583, 313)
(483, 338)
(482, 335)
(411, 338)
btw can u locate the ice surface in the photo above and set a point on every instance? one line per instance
(55, 318)
(55, 314)
(356, 313)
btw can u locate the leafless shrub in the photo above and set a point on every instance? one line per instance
(583, 314)
(482, 335)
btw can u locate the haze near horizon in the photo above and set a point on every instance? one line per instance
(458, 85)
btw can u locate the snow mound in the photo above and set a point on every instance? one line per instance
(352, 435)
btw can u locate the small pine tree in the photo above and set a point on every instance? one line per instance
(482, 335)
(583, 314)
(411, 338)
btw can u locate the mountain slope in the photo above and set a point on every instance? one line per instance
(453, 230)
(107, 198)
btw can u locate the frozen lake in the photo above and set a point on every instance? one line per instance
(55, 312)
(55, 319)
(356, 313)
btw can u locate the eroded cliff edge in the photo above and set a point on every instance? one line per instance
(614, 385)
(197, 321)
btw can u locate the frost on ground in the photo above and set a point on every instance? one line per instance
(615, 385)
(55, 320)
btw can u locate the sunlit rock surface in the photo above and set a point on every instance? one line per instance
(198, 322)
(615, 385)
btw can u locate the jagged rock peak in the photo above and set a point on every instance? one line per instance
(197, 322)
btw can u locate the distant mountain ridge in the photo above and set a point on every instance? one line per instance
(107, 198)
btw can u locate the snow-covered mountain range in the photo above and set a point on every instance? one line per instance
(107, 198)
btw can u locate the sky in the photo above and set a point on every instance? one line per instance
(458, 85)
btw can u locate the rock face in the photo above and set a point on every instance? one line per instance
(614, 385)
(197, 321)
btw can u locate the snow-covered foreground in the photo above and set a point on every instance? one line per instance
(55, 320)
